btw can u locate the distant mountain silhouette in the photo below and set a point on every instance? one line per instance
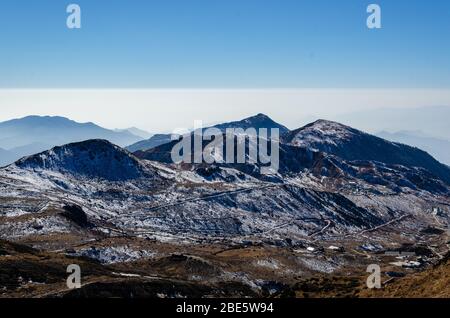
(432, 120)
(154, 141)
(136, 131)
(438, 148)
(6, 157)
(32, 134)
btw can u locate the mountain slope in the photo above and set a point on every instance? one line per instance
(150, 221)
(294, 160)
(56, 131)
(351, 144)
(258, 121)
(92, 158)
(433, 282)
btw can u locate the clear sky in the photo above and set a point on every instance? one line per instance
(224, 44)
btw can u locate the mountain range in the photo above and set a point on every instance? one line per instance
(352, 144)
(135, 131)
(258, 121)
(432, 119)
(341, 199)
(319, 164)
(32, 134)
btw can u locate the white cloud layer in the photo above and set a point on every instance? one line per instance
(160, 110)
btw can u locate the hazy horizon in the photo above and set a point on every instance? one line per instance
(165, 109)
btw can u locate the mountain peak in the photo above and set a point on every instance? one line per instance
(257, 121)
(323, 132)
(328, 124)
(353, 145)
(260, 116)
(92, 158)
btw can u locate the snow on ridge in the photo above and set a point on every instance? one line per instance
(92, 158)
(324, 132)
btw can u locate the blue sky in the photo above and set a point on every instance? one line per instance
(224, 44)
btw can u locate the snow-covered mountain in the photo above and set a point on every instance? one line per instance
(135, 195)
(97, 200)
(32, 134)
(97, 159)
(258, 121)
(295, 160)
(326, 149)
(351, 144)
(314, 183)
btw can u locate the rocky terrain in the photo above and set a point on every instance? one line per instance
(139, 225)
